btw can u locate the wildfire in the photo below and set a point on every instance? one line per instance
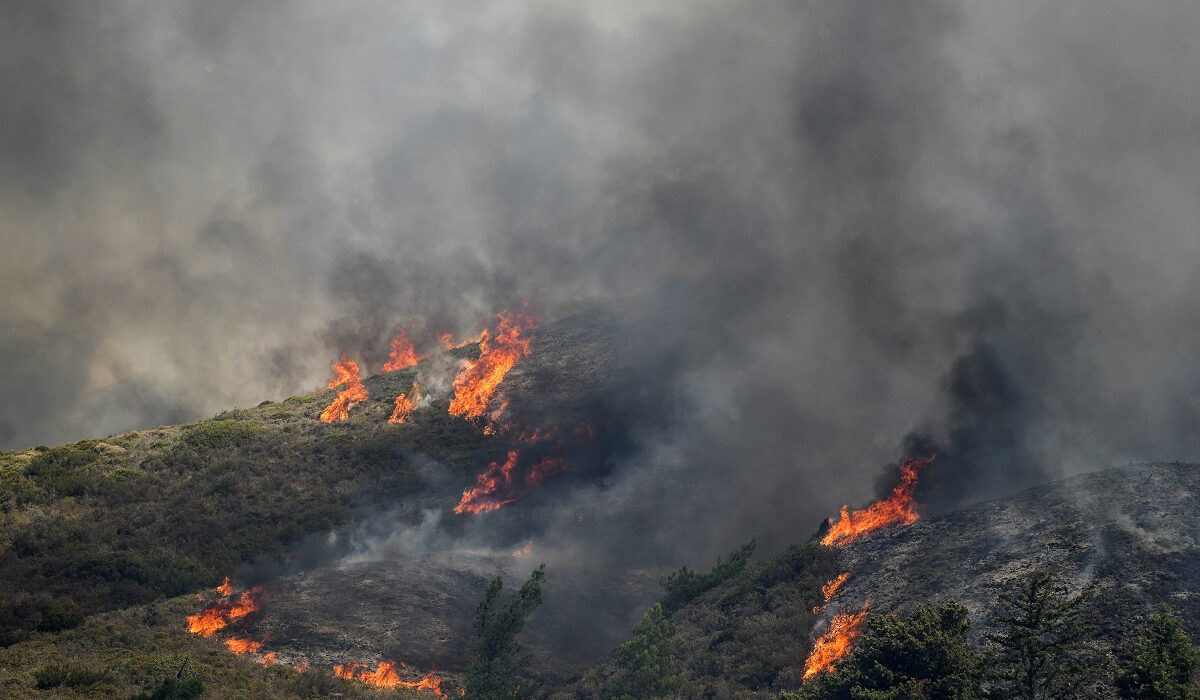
(479, 499)
(446, 338)
(220, 614)
(243, 646)
(499, 350)
(524, 551)
(897, 509)
(225, 589)
(829, 589)
(346, 373)
(385, 675)
(406, 404)
(403, 354)
(834, 645)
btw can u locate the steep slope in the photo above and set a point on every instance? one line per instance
(1129, 534)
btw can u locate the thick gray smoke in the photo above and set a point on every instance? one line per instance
(974, 221)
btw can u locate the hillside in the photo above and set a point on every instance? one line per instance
(1128, 534)
(351, 530)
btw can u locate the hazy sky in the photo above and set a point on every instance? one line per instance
(975, 219)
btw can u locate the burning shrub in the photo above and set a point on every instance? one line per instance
(924, 655)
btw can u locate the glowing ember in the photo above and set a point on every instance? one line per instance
(524, 551)
(499, 350)
(546, 468)
(834, 645)
(897, 509)
(219, 615)
(406, 404)
(481, 498)
(355, 392)
(385, 675)
(403, 353)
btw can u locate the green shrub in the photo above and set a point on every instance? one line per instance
(172, 689)
(217, 433)
(68, 675)
(684, 585)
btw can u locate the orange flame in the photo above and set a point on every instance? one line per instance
(403, 354)
(897, 509)
(385, 675)
(355, 392)
(524, 551)
(834, 584)
(243, 646)
(406, 404)
(446, 338)
(219, 615)
(478, 499)
(829, 589)
(225, 589)
(499, 350)
(834, 645)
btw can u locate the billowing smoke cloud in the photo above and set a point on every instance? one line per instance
(844, 221)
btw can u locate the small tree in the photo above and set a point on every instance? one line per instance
(683, 585)
(1164, 662)
(499, 667)
(1041, 634)
(651, 668)
(923, 656)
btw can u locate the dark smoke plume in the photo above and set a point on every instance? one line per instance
(828, 225)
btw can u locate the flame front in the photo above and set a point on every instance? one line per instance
(499, 350)
(406, 404)
(403, 353)
(219, 615)
(829, 589)
(346, 372)
(385, 675)
(834, 645)
(481, 499)
(897, 509)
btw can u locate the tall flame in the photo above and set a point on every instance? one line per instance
(897, 509)
(834, 645)
(499, 350)
(220, 614)
(403, 353)
(243, 646)
(385, 675)
(481, 498)
(406, 404)
(346, 372)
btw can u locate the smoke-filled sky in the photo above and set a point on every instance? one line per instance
(975, 221)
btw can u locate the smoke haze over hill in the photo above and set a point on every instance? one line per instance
(847, 222)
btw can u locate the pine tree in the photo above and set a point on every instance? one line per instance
(1164, 662)
(499, 669)
(1041, 634)
(651, 668)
